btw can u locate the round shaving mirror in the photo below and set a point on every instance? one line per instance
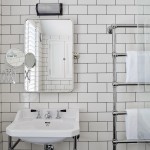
(15, 58)
(30, 60)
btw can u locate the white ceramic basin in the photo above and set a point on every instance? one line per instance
(44, 131)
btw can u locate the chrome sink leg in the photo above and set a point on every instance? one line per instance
(75, 143)
(10, 145)
(9, 142)
(48, 147)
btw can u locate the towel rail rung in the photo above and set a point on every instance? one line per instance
(119, 54)
(127, 83)
(130, 141)
(119, 113)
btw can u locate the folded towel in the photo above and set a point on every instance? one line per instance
(138, 124)
(137, 66)
(131, 124)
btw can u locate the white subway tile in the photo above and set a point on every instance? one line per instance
(80, 68)
(19, 10)
(5, 107)
(78, 10)
(115, 10)
(8, 116)
(10, 97)
(142, 96)
(125, 19)
(29, 2)
(29, 97)
(141, 2)
(98, 126)
(98, 145)
(106, 19)
(88, 136)
(88, 116)
(122, 97)
(124, 2)
(106, 2)
(105, 136)
(104, 38)
(87, 38)
(87, 97)
(17, 106)
(105, 77)
(68, 2)
(87, 78)
(96, 87)
(6, 29)
(134, 10)
(17, 29)
(17, 88)
(68, 97)
(81, 48)
(8, 2)
(5, 87)
(87, 2)
(10, 39)
(81, 106)
(80, 87)
(38, 105)
(96, 28)
(87, 19)
(10, 19)
(96, 107)
(96, 48)
(80, 28)
(48, 97)
(93, 68)
(105, 116)
(96, 9)
(5, 10)
(87, 58)
(84, 126)
(146, 9)
(105, 97)
(104, 58)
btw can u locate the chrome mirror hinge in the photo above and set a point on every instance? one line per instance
(76, 55)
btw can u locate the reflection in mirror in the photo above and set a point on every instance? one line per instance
(49, 56)
(30, 60)
(15, 58)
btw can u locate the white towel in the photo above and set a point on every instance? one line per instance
(131, 124)
(138, 124)
(137, 66)
(144, 124)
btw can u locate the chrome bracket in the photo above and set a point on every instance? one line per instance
(110, 28)
(10, 145)
(76, 55)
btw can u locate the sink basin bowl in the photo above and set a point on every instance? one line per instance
(44, 131)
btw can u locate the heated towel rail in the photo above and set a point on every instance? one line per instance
(111, 30)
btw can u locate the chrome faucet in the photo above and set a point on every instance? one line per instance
(58, 113)
(39, 115)
(48, 115)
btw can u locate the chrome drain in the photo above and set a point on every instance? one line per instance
(48, 147)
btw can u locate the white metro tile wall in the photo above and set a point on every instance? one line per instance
(93, 71)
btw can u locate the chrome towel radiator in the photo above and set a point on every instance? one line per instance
(112, 30)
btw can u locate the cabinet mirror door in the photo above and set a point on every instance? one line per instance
(49, 56)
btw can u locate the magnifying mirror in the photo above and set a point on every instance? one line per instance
(30, 60)
(15, 58)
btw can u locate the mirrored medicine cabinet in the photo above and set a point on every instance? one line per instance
(48, 56)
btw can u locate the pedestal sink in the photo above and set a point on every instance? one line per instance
(28, 128)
